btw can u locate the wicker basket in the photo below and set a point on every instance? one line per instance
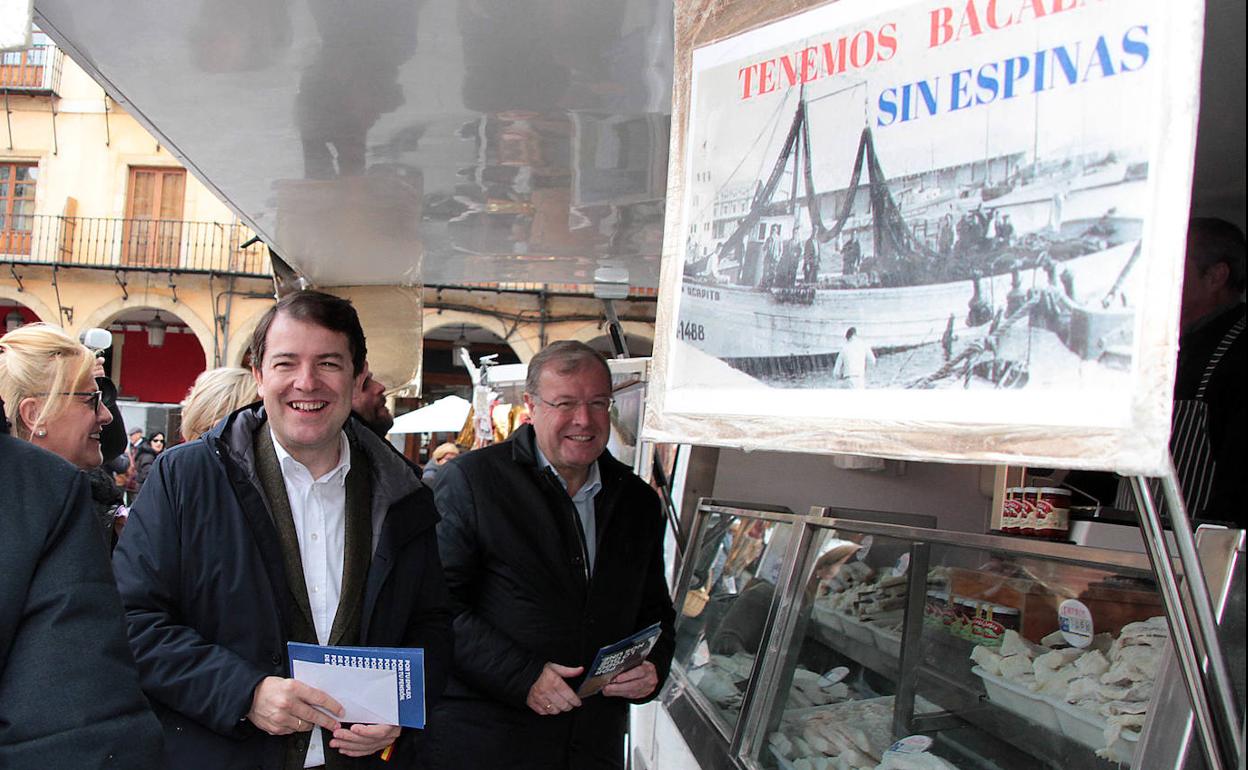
(695, 602)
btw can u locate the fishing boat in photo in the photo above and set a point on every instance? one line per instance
(777, 294)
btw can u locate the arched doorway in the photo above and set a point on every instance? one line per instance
(155, 356)
(14, 314)
(443, 373)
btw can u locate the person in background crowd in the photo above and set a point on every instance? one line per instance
(107, 493)
(47, 376)
(119, 466)
(216, 393)
(552, 549)
(130, 484)
(287, 521)
(441, 456)
(1210, 407)
(144, 456)
(69, 694)
(113, 437)
(369, 404)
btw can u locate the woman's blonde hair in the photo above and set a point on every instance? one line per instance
(216, 393)
(443, 450)
(40, 361)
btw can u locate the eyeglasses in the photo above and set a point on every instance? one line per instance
(571, 405)
(158, 441)
(94, 395)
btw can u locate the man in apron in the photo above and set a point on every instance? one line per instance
(1209, 427)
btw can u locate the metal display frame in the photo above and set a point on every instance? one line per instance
(1190, 692)
(1193, 623)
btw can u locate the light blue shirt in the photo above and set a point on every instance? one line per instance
(584, 502)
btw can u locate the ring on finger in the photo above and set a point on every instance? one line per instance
(550, 707)
(299, 723)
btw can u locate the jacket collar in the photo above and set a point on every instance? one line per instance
(524, 452)
(391, 477)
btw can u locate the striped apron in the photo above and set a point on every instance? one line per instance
(1189, 443)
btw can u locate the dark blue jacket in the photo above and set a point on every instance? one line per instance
(200, 570)
(69, 693)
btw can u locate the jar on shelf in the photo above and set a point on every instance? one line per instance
(934, 608)
(1052, 513)
(965, 611)
(1011, 510)
(1028, 517)
(994, 620)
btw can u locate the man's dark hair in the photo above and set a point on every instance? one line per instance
(1212, 240)
(850, 332)
(566, 356)
(314, 307)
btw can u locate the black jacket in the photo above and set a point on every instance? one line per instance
(513, 562)
(1228, 408)
(69, 693)
(106, 497)
(144, 455)
(200, 570)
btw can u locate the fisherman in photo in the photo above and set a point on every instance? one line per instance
(853, 360)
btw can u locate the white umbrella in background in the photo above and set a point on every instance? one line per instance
(442, 416)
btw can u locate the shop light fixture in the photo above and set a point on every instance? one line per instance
(460, 348)
(156, 331)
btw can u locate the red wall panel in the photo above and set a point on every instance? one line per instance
(161, 375)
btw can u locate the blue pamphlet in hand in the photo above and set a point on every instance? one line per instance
(375, 685)
(614, 658)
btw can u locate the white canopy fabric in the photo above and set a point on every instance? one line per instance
(444, 415)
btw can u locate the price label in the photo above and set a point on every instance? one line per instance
(833, 676)
(864, 547)
(1074, 619)
(911, 744)
(903, 565)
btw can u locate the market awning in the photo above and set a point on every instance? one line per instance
(442, 416)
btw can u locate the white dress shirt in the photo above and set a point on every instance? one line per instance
(319, 509)
(584, 502)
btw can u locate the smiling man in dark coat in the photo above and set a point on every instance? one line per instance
(286, 522)
(552, 549)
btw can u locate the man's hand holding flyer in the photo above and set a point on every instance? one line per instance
(615, 658)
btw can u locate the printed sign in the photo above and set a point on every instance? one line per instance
(929, 230)
(1075, 622)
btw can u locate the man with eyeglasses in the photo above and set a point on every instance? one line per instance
(552, 550)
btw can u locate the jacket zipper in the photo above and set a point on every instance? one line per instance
(570, 507)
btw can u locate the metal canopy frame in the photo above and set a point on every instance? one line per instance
(1192, 622)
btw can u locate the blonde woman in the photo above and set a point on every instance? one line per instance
(46, 381)
(441, 456)
(216, 393)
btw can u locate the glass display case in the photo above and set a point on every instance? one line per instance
(728, 602)
(821, 641)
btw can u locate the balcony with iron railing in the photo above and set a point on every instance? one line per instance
(164, 245)
(34, 70)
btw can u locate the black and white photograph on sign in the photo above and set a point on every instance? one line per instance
(918, 199)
